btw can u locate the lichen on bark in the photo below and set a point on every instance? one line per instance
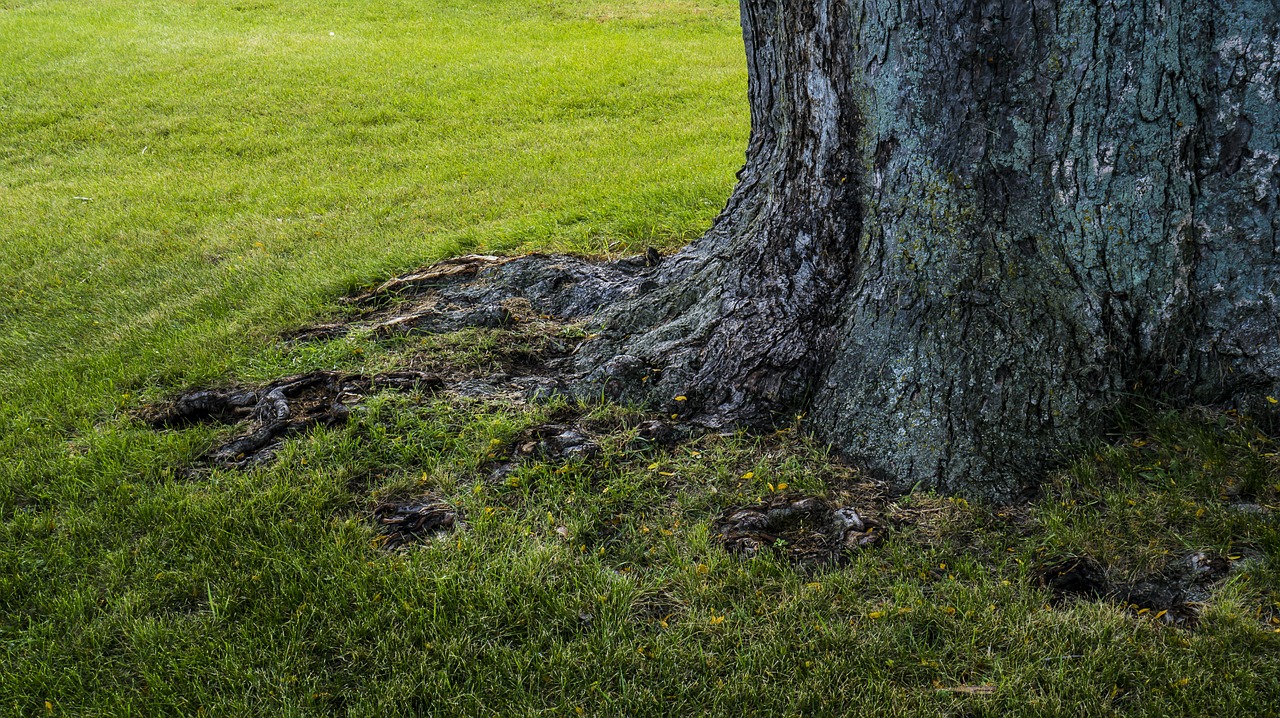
(1060, 263)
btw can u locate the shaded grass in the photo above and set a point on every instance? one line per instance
(284, 165)
(598, 584)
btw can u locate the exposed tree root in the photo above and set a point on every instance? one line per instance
(806, 529)
(1173, 594)
(475, 291)
(612, 300)
(279, 409)
(535, 310)
(402, 523)
(491, 292)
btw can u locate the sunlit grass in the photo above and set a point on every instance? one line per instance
(180, 180)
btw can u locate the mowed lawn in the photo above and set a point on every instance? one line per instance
(181, 182)
(240, 162)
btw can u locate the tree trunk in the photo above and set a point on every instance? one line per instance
(966, 231)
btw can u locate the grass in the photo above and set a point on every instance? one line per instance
(244, 167)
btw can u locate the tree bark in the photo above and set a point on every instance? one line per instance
(967, 231)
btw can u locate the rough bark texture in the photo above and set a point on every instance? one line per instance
(967, 230)
(735, 321)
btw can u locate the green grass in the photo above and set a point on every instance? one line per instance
(245, 167)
